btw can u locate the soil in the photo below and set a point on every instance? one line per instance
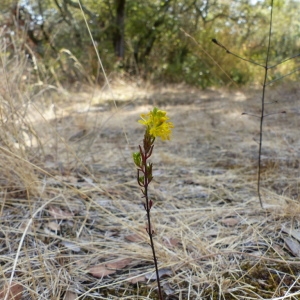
(211, 234)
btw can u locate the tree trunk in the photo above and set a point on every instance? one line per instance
(119, 42)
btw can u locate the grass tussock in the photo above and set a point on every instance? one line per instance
(72, 222)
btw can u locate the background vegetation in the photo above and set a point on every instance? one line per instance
(147, 39)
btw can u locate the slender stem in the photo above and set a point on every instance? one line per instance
(288, 74)
(283, 61)
(149, 230)
(234, 54)
(263, 109)
(262, 115)
(260, 144)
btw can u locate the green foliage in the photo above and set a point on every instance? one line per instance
(155, 46)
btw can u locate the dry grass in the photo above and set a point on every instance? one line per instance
(69, 198)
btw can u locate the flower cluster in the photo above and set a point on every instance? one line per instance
(157, 123)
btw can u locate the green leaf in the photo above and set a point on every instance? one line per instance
(137, 159)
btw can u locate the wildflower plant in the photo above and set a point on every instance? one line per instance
(157, 125)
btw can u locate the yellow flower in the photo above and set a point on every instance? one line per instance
(157, 123)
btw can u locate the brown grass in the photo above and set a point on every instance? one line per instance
(70, 201)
